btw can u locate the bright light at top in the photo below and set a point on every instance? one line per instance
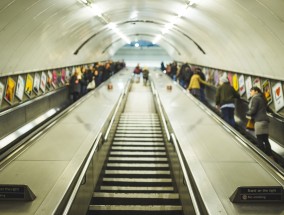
(157, 39)
(134, 15)
(112, 25)
(97, 11)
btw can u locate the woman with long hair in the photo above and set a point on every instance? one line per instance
(257, 111)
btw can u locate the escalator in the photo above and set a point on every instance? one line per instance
(137, 176)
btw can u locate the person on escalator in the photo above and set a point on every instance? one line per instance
(257, 112)
(225, 100)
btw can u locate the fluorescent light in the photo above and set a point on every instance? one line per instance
(157, 39)
(133, 15)
(97, 11)
(112, 26)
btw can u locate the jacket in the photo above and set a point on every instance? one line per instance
(195, 82)
(257, 108)
(226, 94)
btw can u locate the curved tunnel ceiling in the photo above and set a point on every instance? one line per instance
(235, 35)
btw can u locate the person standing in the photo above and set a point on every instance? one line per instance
(194, 84)
(75, 86)
(145, 73)
(225, 100)
(257, 112)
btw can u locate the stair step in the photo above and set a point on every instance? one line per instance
(138, 195)
(146, 180)
(129, 143)
(139, 188)
(140, 125)
(135, 148)
(128, 131)
(124, 127)
(131, 153)
(147, 165)
(137, 172)
(131, 139)
(137, 135)
(112, 158)
(136, 207)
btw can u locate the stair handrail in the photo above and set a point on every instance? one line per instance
(161, 112)
(186, 178)
(82, 174)
(116, 110)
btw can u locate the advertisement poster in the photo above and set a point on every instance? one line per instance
(248, 86)
(256, 83)
(230, 77)
(267, 91)
(1, 92)
(278, 96)
(29, 85)
(20, 87)
(235, 82)
(68, 74)
(54, 79)
(36, 83)
(242, 88)
(10, 90)
(49, 80)
(216, 78)
(63, 76)
(43, 82)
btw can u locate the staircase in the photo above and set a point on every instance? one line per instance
(137, 178)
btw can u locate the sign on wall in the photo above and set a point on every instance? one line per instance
(10, 90)
(20, 87)
(1, 92)
(278, 96)
(43, 81)
(36, 83)
(256, 83)
(267, 91)
(248, 86)
(242, 88)
(29, 85)
(235, 82)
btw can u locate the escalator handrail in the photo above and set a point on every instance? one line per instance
(161, 112)
(82, 174)
(116, 110)
(185, 175)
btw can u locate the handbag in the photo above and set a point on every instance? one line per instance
(250, 124)
(91, 85)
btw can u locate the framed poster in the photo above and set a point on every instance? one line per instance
(216, 77)
(54, 79)
(43, 82)
(256, 83)
(29, 85)
(10, 90)
(230, 77)
(248, 86)
(63, 76)
(1, 92)
(235, 82)
(68, 74)
(20, 87)
(242, 88)
(267, 91)
(278, 96)
(49, 80)
(36, 83)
